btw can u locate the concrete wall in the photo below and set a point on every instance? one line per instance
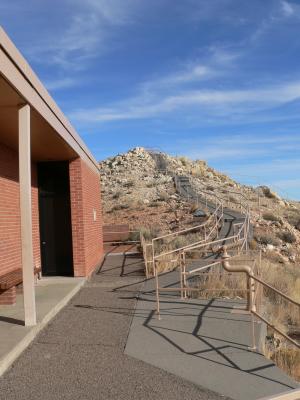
(86, 215)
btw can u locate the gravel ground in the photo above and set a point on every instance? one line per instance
(80, 354)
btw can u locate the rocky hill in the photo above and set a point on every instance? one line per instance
(137, 190)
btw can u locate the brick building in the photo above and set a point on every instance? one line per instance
(50, 207)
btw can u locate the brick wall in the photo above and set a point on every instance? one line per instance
(86, 217)
(10, 230)
(10, 222)
(85, 207)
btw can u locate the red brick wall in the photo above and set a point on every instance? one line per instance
(86, 232)
(85, 199)
(10, 230)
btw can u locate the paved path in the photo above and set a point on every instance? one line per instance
(204, 341)
(80, 354)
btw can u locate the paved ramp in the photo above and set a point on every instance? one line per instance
(80, 355)
(204, 341)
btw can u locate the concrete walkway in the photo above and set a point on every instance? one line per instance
(204, 341)
(80, 354)
(52, 294)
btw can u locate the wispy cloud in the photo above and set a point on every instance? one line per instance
(192, 73)
(280, 13)
(238, 147)
(59, 84)
(287, 8)
(218, 63)
(86, 33)
(209, 101)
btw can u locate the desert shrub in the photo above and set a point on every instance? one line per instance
(230, 184)
(163, 196)
(117, 194)
(194, 207)
(119, 207)
(151, 184)
(267, 239)
(197, 171)
(293, 217)
(232, 199)
(287, 237)
(150, 233)
(268, 216)
(268, 192)
(153, 204)
(184, 161)
(253, 244)
(129, 184)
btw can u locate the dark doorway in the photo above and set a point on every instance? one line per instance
(55, 218)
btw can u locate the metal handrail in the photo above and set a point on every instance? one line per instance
(252, 307)
(156, 257)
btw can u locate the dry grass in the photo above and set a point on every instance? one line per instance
(224, 285)
(283, 314)
(227, 285)
(267, 238)
(286, 358)
(268, 216)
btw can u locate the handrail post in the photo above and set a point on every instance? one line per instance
(181, 275)
(157, 291)
(251, 297)
(184, 275)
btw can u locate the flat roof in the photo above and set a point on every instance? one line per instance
(16, 70)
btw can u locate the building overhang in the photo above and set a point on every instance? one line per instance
(52, 135)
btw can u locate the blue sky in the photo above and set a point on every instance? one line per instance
(210, 79)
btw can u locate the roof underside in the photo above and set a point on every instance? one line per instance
(52, 135)
(46, 144)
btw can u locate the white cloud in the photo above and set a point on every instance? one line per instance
(194, 73)
(287, 8)
(237, 147)
(210, 102)
(218, 63)
(59, 84)
(87, 32)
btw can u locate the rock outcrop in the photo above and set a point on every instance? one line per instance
(136, 190)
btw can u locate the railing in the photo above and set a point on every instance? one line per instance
(127, 236)
(216, 218)
(119, 233)
(147, 254)
(178, 254)
(255, 303)
(203, 228)
(186, 273)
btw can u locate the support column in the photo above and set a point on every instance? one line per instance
(26, 215)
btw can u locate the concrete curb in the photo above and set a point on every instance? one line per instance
(8, 360)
